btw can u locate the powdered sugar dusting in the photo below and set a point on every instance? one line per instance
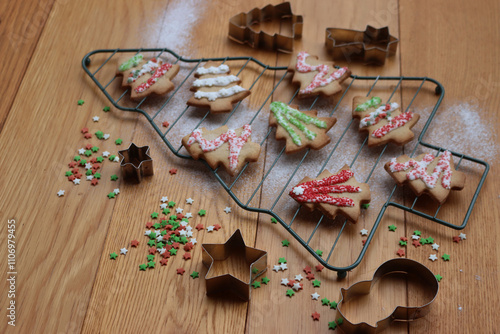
(461, 127)
(178, 24)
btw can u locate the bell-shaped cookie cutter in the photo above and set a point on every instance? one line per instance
(136, 163)
(241, 31)
(227, 283)
(400, 313)
(371, 45)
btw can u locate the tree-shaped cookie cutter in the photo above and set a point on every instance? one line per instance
(400, 313)
(241, 31)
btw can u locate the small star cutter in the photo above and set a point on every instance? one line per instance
(372, 45)
(403, 267)
(241, 31)
(136, 163)
(227, 283)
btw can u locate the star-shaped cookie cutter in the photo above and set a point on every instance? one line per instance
(400, 313)
(372, 45)
(136, 163)
(227, 283)
(241, 31)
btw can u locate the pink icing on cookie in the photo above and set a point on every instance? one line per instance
(419, 170)
(316, 191)
(395, 123)
(235, 143)
(319, 79)
(159, 72)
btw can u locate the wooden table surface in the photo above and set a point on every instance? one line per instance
(65, 281)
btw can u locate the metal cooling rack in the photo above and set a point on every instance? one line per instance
(341, 271)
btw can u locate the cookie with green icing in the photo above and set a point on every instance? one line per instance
(384, 122)
(300, 129)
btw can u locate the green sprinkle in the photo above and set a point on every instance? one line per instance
(256, 284)
(100, 159)
(265, 280)
(113, 256)
(68, 173)
(143, 266)
(319, 252)
(195, 274)
(273, 220)
(119, 141)
(88, 153)
(77, 158)
(316, 283)
(95, 149)
(150, 257)
(112, 157)
(392, 228)
(285, 243)
(106, 109)
(97, 175)
(114, 177)
(99, 134)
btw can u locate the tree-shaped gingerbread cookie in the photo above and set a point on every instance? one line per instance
(316, 76)
(383, 122)
(333, 194)
(216, 89)
(435, 176)
(146, 77)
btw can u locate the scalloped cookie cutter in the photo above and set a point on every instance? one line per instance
(136, 163)
(400, 313)
(227, 283)
(241, 31)
(371, 45)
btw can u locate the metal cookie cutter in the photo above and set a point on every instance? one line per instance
(136, 163)
(400, 313)
(240, 29)
(227, 283)
(372, 45)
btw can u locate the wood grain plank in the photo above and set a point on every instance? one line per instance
(61, 239)
(21, 26)
(468, 69)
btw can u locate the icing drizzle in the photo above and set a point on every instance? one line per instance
(371, 103)
(221, 69)
(286, 115)
(235, 143)
(419, 170)
(132, 62)
(149, 67)
(316, 191)
(375, 116)
(217, 81)
(158, 73)
(394, 123)
(319, 79)
(224, 92)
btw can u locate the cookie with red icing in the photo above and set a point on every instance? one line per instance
(435, 176)
(146, 77)
(333, 194)
(316, 77)
(215, 88)
(384, 122)
(223, 146)
(300, 129)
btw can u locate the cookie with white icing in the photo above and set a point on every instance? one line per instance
(435, 176)
(384, 122)
(333, 194)
(215, 88)
(223, 146)
(316, 77)
(146, 77)
(300, 129)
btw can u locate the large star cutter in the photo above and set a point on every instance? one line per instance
(400, 313)
(371, 46)
(240, 29)
(227, 283)
(136, 163)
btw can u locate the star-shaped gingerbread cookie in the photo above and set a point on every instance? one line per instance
(300, 129)
(333, 194)
(216, 89)
(383, 122)
(146, 77)
(222, 146)
(316, 77)
(435, 176)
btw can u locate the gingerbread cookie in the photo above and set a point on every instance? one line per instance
(300, 129)
(417, 173)
(146, 77)
(333, 194)
(383, 122)
(316, 77)
(216, 89)
(222, 146)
